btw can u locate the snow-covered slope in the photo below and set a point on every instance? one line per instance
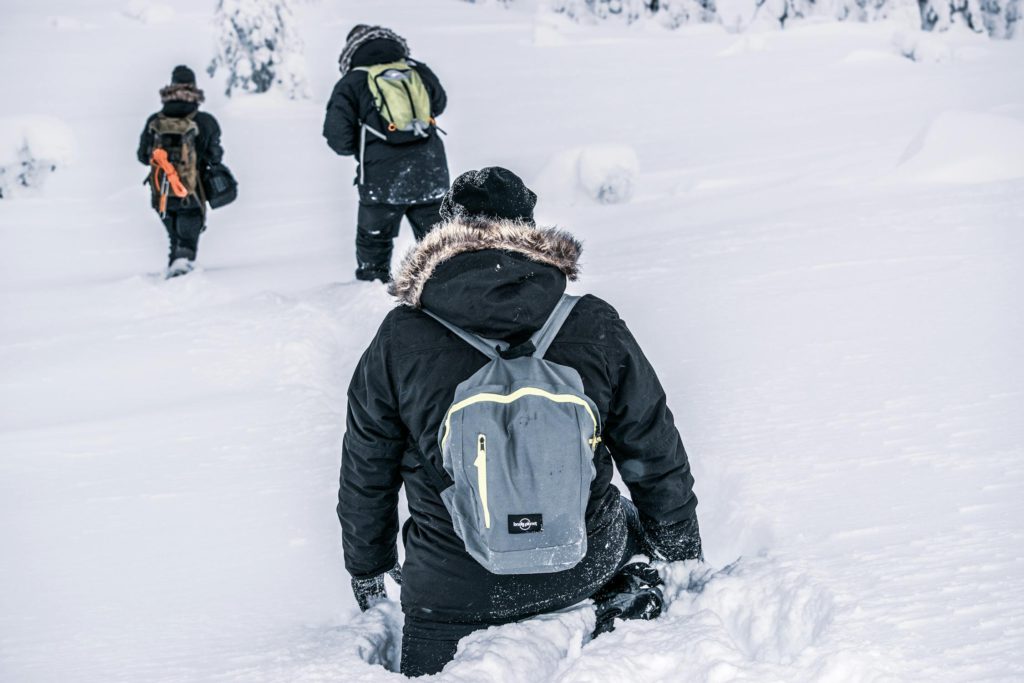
(832, 303)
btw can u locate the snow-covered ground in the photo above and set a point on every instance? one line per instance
(820, 252)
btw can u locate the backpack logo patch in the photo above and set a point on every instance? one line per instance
(525, 524)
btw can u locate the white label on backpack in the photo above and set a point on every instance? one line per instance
(525, 524)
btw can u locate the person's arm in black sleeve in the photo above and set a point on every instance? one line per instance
(211, 152)
(370, 480)
(144, 142)
(341, 123)
(648, 451)
(438, 97)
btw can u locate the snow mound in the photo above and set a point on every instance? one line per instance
(539, 648)
(873, 57)
(919, 46)
(606, 174)
(66, 23)
(748, 44)
(147, 12)
(771, 613)
(965, 147)
(31, 148)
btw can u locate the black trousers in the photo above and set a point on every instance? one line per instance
(377, 226)
(183, 228)
(428, 645)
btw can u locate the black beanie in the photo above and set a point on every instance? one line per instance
(491, 192)
(182, 75)
(357, 27)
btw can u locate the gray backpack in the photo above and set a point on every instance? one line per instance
(518, 444)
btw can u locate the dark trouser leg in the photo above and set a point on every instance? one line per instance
(376, 228)
(428, 645)
(183, 227)
(635, 537)
(172, 235)
(423, 218)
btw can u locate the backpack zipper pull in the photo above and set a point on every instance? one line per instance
(481, 476)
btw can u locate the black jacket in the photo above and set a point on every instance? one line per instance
(207, 142)
(502, 286)
(413, 173)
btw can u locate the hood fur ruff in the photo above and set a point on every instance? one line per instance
(543, 245)
(181, 92)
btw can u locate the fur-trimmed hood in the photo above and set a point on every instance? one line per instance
(181, 92)
(548, 246)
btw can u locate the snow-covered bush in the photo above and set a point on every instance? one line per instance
(259, 48)
(32, 148)
(606, 174)
(965, 147)
(148, 12)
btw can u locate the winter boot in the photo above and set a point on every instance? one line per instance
(633, 593)
(179, 266)
(369, 272)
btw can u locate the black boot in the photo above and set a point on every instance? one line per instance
(633, 593)
(370, 272)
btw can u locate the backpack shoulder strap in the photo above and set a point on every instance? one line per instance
(543, 337)
(488, 347)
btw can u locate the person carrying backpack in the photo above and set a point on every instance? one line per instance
(180, 143)
(502, 406)
(383, 112)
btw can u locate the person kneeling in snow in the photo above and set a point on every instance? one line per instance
(487, 391)
(180, 143)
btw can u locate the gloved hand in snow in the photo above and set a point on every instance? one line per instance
(633, 593)
(672, 541)
(666, 541)
(370, 590)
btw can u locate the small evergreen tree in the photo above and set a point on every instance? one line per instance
(259, 48)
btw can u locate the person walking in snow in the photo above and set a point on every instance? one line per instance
(180, 143)
(383, 112)
(484, 293)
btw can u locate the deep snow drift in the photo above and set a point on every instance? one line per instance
(820, 251)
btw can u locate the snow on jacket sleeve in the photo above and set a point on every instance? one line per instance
(438, 97)
(341, 123)
(371, 455)
(648, 451)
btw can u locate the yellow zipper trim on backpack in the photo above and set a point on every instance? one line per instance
(515, 396)
(481, 476)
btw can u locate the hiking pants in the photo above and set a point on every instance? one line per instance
(427, 646)
(377, 226)
(183, 228)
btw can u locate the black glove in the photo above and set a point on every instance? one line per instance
(369, 591)
(672, 541)
(633, 593)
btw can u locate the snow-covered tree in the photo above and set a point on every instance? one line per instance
(673, 13)
(31, 149)
(939, 15)
(260, 48)
(1001, 18)
(998, 18)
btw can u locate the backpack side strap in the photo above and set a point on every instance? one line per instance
(543, 337)
(489, 347)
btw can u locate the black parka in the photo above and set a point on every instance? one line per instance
(413, 173)
(503, 286)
